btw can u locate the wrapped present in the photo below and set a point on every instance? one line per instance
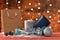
(28, 25)
(42, 21)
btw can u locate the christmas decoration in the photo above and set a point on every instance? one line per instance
(39, 31)
(47, 31)
(17, 31)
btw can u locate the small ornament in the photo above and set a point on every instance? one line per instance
(39, 31)
(17, 31)
(47, 31)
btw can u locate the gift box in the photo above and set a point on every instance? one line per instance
(28, 25)
(41, 22)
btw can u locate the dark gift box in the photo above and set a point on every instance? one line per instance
(41, 22)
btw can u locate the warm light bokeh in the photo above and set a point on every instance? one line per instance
(52, 14)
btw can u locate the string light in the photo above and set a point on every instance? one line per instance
(50, 16)
(39, 14)
(58, 10)
(48, 0)
(6, 8)
(29, 3)
(7, 3)
(58, 21)
(48, 11)
(21, 18)
(38, 3)
(18, 1)
(28, 13)
(18, 7)
(35, 5)
(32, 9)
(36, 18)
(50, 27)
(38, 7)
(50, 5)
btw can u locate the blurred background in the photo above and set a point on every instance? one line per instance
(33, 9)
